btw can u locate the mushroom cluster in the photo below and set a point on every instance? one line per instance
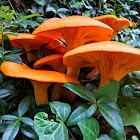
(88, 45)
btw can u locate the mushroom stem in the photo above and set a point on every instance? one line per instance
(92, 74)
(40, 91)
(56, 93)
(73, 72)
(69, 95)
(104, 81)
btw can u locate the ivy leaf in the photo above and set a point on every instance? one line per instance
(132, 78)
(110, 90)
(49, 130)
(127, 90)
(89, 128)
(80, 91)
(11, 130)
(130, 109)
(78, 114)
(112, 117)
(62, 110)
(24, 105)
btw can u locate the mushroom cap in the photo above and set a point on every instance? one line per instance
(34, 42)
(12, 69)
(113, 59)
(40, 30)
(78, 30)
(117, 24)
(55, 61)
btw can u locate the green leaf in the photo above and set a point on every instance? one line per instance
(29, 16)
(80, 91)
(3, 107)
(130, 109)
(112, 104)
(13, 58)
(8, 117)
(127, 90)
(112, 117)
(132, 78)
(11, 130)
(24, 105)
(89, 128)
(116, 136)
(49, 130)
(78, 114)
(2, 127)
(62, 110)
(135, 138)
(77, 130)
(91, 110)
(27, 120)
(28, 131)
(104, 137)
(1, 78)
(40, 2)
(110, 90)
(102, 99)
(6, 92)
(12, 34)
(7, 43)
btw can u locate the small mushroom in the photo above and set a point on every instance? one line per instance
(113, 59)
(117, 24)
(40, 79)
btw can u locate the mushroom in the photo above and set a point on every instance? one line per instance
(117, 24)
(77, 31)
(113, 59)
(40, 79)
(56, 62)
(29, 42)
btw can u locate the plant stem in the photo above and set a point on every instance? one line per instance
(13, 9)
(2, 53)
(71, 134)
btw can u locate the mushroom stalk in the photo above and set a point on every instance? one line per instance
(56, 93)
(92, 74)
(40, 91)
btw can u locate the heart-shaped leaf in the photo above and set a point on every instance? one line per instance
(49, 130)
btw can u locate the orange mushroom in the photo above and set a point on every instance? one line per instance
(56, 62)
(41, 80)
(117, 24)
(29, 42)
(77, 31)
(113, 59)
